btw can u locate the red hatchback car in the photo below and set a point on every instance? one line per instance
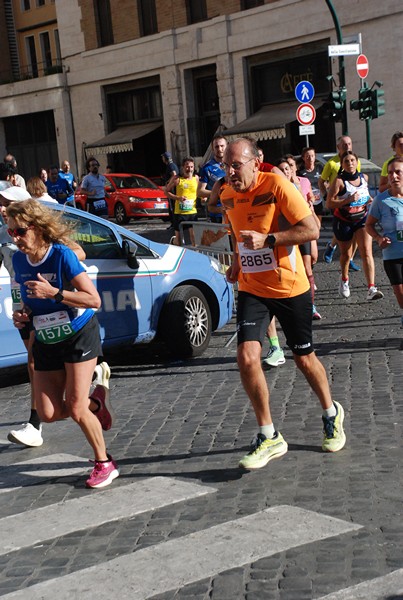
(131, 196)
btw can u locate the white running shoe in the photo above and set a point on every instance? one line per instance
(28, 435)
(374, 294)
(102, 374)
(344, 289)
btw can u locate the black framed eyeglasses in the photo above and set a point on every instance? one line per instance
(236, 166)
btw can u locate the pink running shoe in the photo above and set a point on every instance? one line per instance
(104, 414)
(103, 473)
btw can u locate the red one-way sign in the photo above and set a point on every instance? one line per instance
(362, 66)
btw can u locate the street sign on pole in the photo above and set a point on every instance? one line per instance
(344, 49)
(307, 130)
(362, 66)
(304, 91)
(306, 114)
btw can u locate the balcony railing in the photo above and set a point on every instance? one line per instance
(40, 69)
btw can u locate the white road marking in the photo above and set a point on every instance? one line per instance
(381, 588)
(36, 470)
(173, 564)
(49, 522)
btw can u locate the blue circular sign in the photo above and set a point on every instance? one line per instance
(304, 91)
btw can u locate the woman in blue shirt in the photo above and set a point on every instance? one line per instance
(387, 211)
(58, 295)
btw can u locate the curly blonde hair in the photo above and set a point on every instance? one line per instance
(53, 227)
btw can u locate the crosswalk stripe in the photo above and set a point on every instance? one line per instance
(49, 522)
(175, 563)
(388, 586)
(40, 469)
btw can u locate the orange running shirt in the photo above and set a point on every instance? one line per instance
(272, 205)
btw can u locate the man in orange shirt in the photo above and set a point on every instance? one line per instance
(269, 219)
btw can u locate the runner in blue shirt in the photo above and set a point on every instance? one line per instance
(211, 172)
(60, 298)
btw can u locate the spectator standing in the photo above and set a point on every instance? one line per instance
(18, 179)
(93, 186)
(65, 173)
(211, 172)
(58, 187)
(397, 147)
(272, 282)
(43, 174)
(6, 173)
(37, 190)
(387, 211)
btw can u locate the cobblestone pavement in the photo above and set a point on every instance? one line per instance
(190, 420)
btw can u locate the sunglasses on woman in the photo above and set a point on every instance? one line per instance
(18, 231)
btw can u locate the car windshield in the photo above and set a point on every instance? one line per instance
(129, 182)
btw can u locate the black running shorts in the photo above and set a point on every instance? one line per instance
(84, 345)
(294, 315)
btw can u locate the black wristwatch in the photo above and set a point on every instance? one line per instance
(59, 296)
(271, 241)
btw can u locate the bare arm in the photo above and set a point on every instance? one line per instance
(86, 295)
(213, 199)
(305, 230)
(322, 187)
(381, 240)
(202, 192)
(77, 249)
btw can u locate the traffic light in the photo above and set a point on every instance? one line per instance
(334, 105)
(365, 103)
(377, 102)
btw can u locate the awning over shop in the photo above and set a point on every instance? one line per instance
(268, 123)
(121, 140)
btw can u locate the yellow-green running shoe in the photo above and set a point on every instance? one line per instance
(263, 450)
(334, 438)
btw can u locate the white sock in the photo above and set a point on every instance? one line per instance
(268, 431)
(330, 412)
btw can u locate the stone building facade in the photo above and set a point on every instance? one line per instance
(140, 77)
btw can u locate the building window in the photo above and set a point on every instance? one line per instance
(134, 106)
(25, 4)
(245, 4)
(196, 11)
(204, 108)
(40, 2)
(103, 22)
(46, 50)
(57, 46)
(32, 61)
(147, 17)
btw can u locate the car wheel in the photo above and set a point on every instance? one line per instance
(185, 322)
(120, 214)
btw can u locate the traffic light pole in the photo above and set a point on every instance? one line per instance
(342, 76)
(368, 128)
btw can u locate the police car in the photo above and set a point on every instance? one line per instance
(148, 291)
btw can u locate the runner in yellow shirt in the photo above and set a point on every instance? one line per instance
(185, 197)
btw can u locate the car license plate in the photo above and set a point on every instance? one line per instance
(160, 205)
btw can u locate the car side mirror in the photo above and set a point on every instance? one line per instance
(129, 251)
